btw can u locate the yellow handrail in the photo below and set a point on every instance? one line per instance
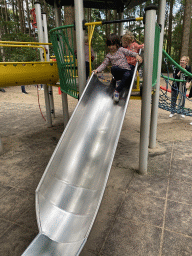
(90, 35)
(93, 23)
(15, 42)
(30, 46)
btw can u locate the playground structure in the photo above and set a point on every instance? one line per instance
(26, 73)
(71, 189)
(51, 239)
(69, 234)
(78, 171)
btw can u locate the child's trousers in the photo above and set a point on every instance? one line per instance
(124, 75)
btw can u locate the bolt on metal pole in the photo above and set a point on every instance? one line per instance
(41, 39)
(57, 12)
(155, 97)
(45, 40)
(80, 42)
(147, 86)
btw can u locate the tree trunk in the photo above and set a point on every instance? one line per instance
(169, 36)
(89, 15)
(108, 18)
(23, 17)
(69, 19)
(28, 17)
(186, 28)
(20, 16)
(13, 8)
(6, 16)
(115, 24)
(1, 48)
(16, 15)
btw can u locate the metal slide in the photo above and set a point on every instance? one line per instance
(71, 189)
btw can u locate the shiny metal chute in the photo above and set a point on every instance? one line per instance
(70, 192)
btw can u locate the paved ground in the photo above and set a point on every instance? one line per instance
(139, 215)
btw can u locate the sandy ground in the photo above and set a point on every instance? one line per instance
(168, 129)
(28, 145)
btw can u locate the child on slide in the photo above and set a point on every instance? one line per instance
(128, 42)
(120, 67)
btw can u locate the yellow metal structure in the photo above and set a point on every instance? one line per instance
(24, 43)
(26, 46)
(91, 28)
(26, 73)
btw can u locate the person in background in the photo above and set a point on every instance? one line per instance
(87, 56)
(128, 42)
(120, 67)
(175, 86)
(40, 87)
(188, 84)
(23, 89)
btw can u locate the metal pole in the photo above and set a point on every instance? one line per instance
(155, 97)
(57, 11)
(1, 146)
(41, 38)
(80, 42)
(121, 24)
(147, 85)
(45, 40)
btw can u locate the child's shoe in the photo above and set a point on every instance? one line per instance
(118, 83)
(116, 96)
(171, 115)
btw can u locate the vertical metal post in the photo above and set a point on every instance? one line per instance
(147, 85)
(41, 38)
(155, 97)
(57, 11)
(80, 42)
(121, 16)
(1, 146)
(45, 40)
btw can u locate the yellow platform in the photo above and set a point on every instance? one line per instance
(26, 73)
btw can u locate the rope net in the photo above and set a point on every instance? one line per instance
(174, 96)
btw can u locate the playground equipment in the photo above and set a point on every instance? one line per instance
(165, 98)
(63, 45)
(70, 192)
(26, 73)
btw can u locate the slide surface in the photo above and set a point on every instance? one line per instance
(71, 189)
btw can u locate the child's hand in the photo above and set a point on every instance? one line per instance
(94, 71)
(139, 59)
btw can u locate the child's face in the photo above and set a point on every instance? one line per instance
(183, 62)
(125, 43)
(112, 48)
